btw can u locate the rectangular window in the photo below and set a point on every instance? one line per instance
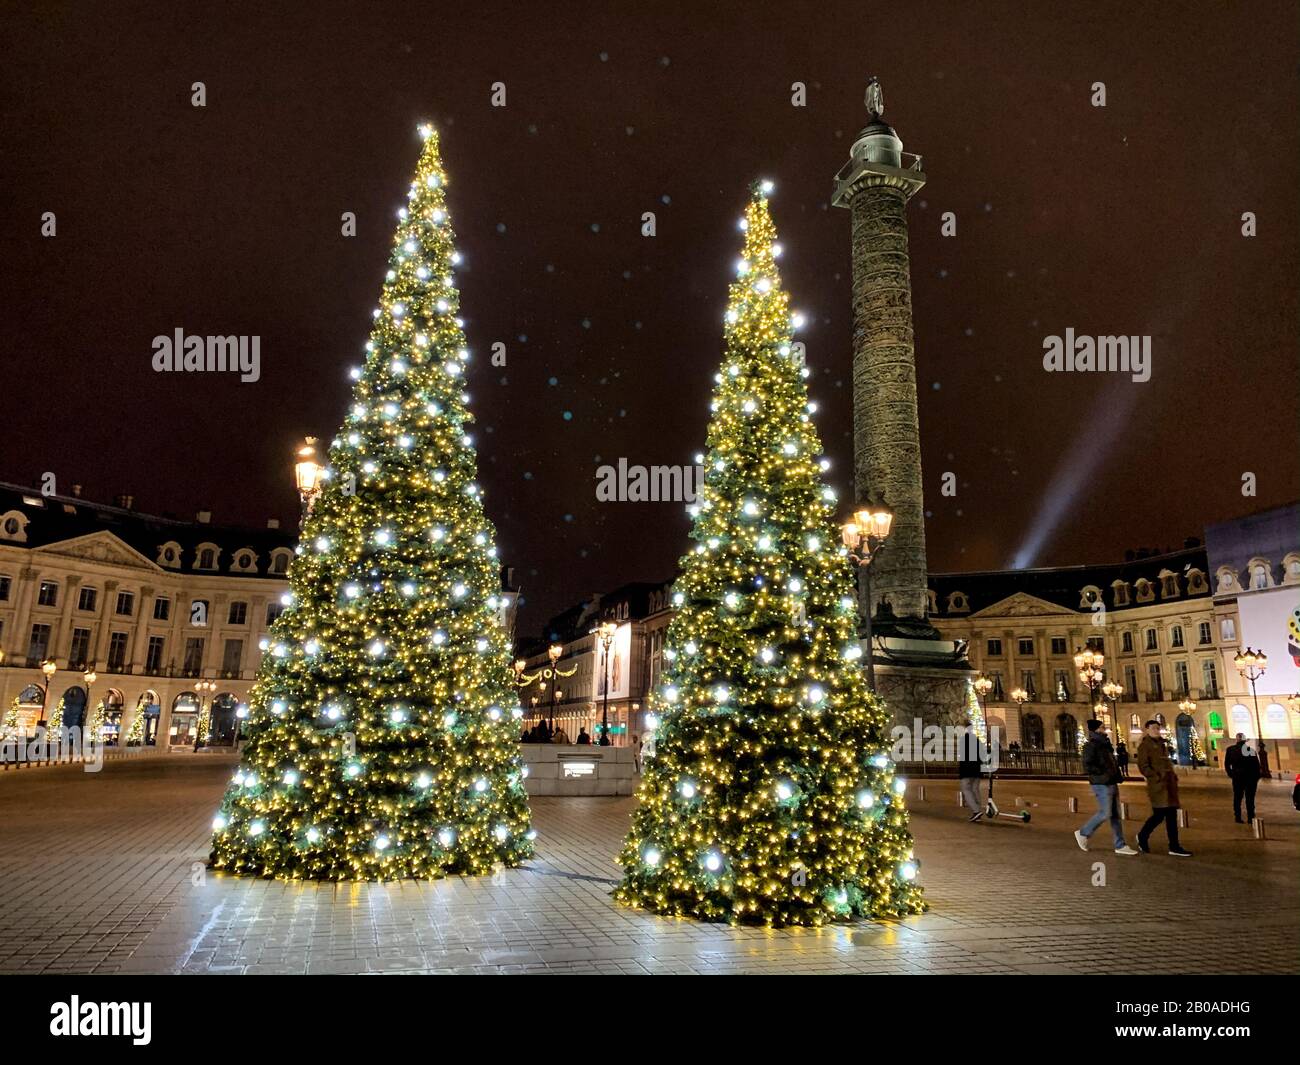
(4, 588)
(238, 613)
(998, 693)
(1176, 636)
(1028, 683)
(1126, 642)
(87, 598)
(79, 649)
(1130, 684)
(39, 645)
(117, 652)
(1203, 634)
(231, 657)
(1209, 679)
(1025, 645)
(273, 611)
(162, 608)
(1152, 644)
(1154, 683)
(126, 603)
(1097, 643)
(994, 648)
(1061, 686)
(153, 660)
(193, 656)
(1228, 629)
(47, 594)
(1058, 645)
(1181, 681)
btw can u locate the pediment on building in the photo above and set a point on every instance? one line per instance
(1023, 605)
(99, 547)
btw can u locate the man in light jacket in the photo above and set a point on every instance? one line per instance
(1154, 763)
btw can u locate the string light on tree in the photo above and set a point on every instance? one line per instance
(371, 748)
(771, 798)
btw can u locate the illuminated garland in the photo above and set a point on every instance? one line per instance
(380, 733)
(771, 797)
(135, 734)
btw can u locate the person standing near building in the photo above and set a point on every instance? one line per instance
(1121, 758)
(1241, 764)
(1157, 767)
(636, 754)
(1100, 764)
(969, 767)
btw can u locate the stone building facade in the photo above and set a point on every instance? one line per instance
(152, 604)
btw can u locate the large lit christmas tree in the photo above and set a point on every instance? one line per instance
(380, 736)
(771, 797)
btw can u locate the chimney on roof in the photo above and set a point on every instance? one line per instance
(124, 501)
(76, 491)
(272, 523)
(203, 517)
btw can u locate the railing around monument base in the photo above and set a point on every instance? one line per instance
(1010, 764)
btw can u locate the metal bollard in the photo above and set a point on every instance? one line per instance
(961, 799)
(920, 788)
(1074, 804)
(1258, 825)
(1182, 818)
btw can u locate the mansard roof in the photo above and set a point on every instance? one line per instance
(56, 519)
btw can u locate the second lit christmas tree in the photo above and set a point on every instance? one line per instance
(380, 741)
(771, 797)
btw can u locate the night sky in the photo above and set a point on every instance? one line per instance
(1123, 219)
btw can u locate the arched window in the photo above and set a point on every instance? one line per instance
(169, 554)
(32, 695)
(1276, 725)
(1134, 723)
(280, 559)
(1239, 716)
(206, 557)
(1067, 732)
(1033, 730)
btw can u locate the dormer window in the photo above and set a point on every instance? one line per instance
(206, 556)
(1146, 591)
(1119, 589)
(1089, 595)
(1196, 582)
(280, 559)
(957, 603)
(13, 526)
(1168, 585)
(245, 561)
(169, 554)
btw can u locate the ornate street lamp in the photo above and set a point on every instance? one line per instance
(1089, 664)
(88, 715)
(983, 685)
(547, 673)
(307, 474)
(604, 632)
(1252, 665)
(49, 669)
(1112, 691)
(203, 726)
(864, 535)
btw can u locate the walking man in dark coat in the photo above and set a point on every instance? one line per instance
(1242, 765)
(1103, 777)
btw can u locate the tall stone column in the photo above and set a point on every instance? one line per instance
(875, 186)
(919, 674)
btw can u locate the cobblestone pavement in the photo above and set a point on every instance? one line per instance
(103, 873)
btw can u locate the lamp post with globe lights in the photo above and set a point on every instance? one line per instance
(547, 674)
(983, 685)
(206, 690)
(604, 633)
(88, 715)
(48, 668)
(308, 474)
(864, 535)
(1112, 690)
(1252, 665)
(1089, 663)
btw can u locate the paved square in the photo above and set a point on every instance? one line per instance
(103, 873)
